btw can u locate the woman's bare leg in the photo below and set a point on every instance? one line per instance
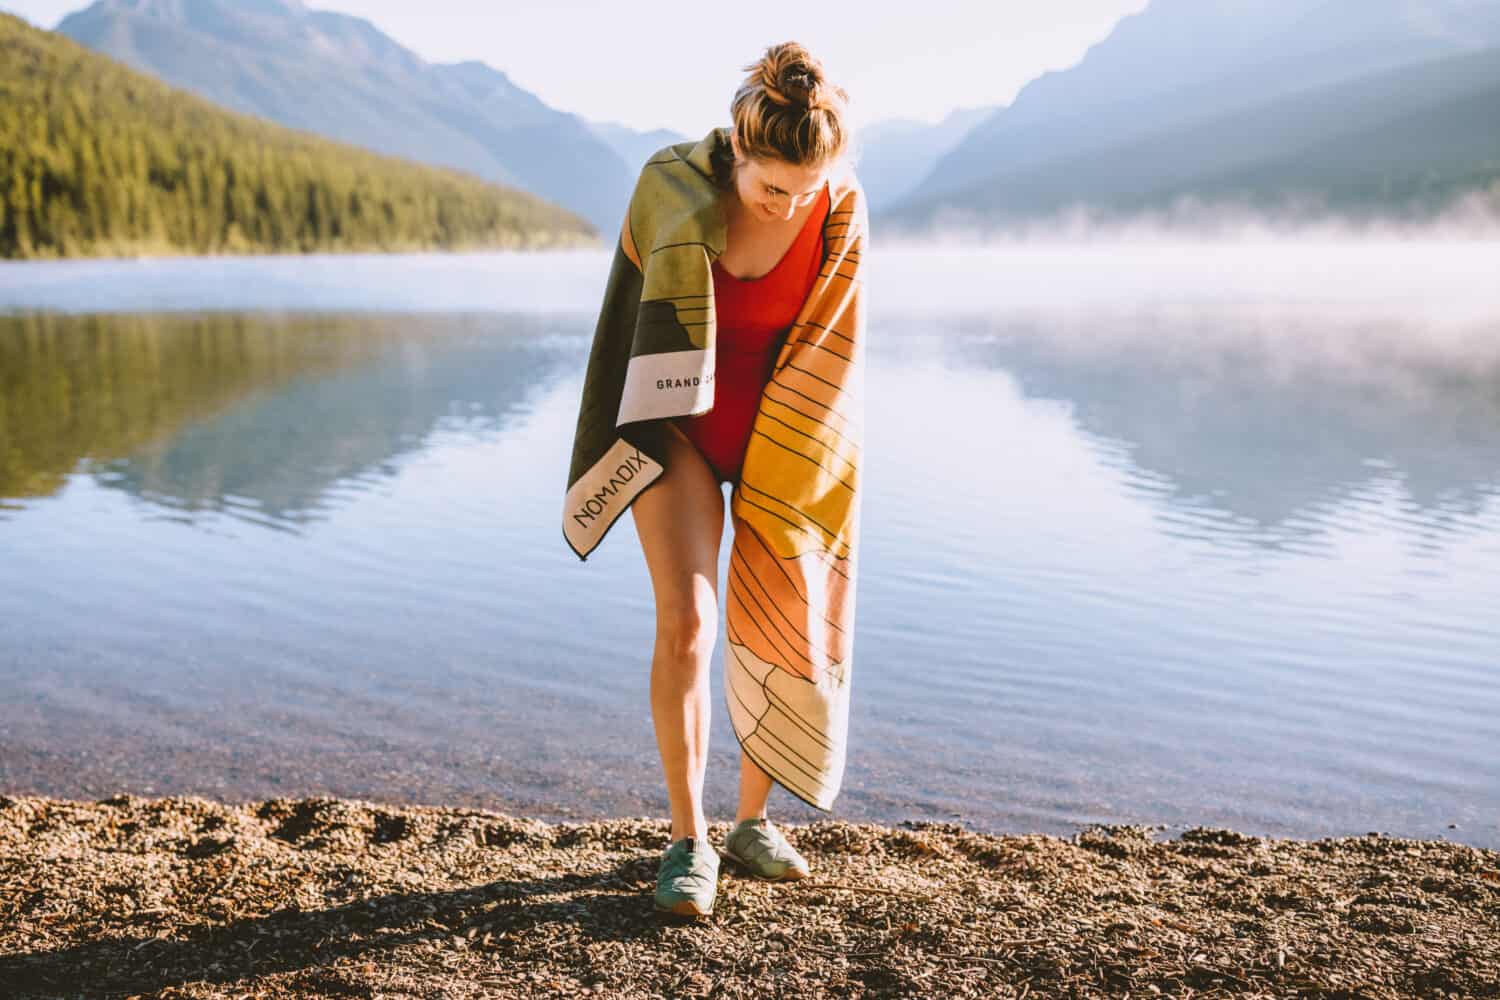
(680, 522)
(755, 789)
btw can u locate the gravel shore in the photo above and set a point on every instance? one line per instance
(185, 897)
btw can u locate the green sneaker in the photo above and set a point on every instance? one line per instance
(688, 878)
(760, 847)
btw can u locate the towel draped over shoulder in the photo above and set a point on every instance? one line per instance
(790, 593)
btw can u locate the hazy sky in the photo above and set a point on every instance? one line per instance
(608, 60)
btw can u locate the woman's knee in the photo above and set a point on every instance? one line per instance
(686, 632)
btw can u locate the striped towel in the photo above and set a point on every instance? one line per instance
(795, 510)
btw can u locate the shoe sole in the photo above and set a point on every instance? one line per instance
(684, 908)
(790, 875)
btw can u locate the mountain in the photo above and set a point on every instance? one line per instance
(1181, 65)
(633, 146)
(1412, 138)
(341, 77)
(97, 159)
(895, 154)
(1402, 141)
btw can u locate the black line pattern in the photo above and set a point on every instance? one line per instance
(777, 562)
(808, 458)
(806, 520)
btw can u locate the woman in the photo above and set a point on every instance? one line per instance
(729, 350)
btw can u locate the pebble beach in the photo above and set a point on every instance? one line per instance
(188, 897)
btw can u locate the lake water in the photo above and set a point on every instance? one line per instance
(1151, 534)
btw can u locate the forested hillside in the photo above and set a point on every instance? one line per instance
(99, 160)
(341, 77)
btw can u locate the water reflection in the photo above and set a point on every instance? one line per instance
(1270, 421)
(250, 414)
(237, 411)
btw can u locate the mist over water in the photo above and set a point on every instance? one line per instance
(1473, 216)
(1436, 273)
(1354, 305)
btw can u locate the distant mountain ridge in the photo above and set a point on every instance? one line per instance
(341, 77)
(1175, 73)
(895, 154)
(634, 146)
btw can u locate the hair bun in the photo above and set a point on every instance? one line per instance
(803, 84)
(791, 76)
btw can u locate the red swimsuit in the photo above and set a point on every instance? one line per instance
(754, 317)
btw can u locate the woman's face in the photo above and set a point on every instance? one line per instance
(773, 189)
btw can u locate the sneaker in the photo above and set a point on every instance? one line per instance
(688, 878)
(760, 847)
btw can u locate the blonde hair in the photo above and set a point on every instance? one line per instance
(787, 109)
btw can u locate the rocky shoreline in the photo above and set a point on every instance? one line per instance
(186, 897)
